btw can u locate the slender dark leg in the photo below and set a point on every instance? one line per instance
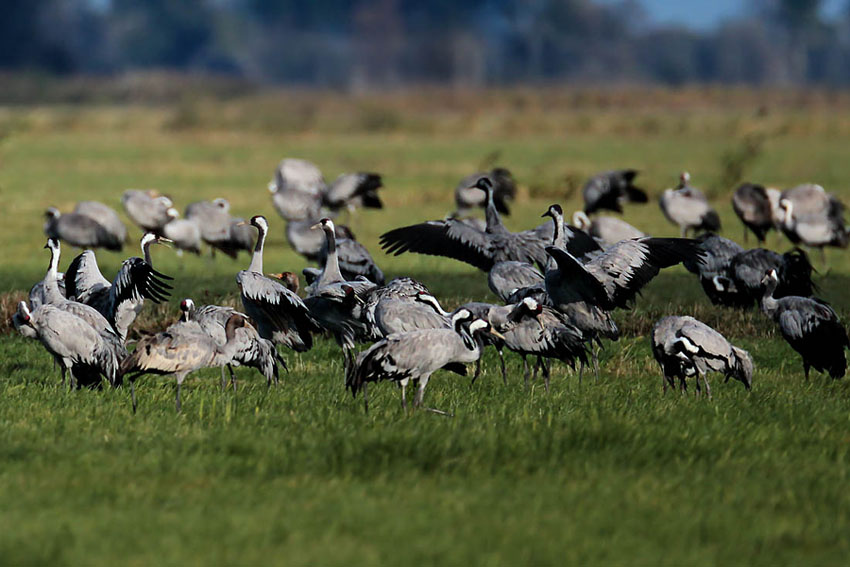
(580, 371)
(365, 398)
(232, 377)
(536, 369)
(525, 370)
(545, 373)
(806, 370)
(133, 394)
(477, 370)
(707, 386)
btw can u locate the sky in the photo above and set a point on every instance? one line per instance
(706, 14)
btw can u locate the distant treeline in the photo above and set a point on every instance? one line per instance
(374, 44)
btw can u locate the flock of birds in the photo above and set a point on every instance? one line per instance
(559, 283)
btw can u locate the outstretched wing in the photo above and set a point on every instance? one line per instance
(137, 280)
(449, 238)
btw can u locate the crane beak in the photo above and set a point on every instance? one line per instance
(496, 333)
(315, 226)
(278, 276)
(241, 223)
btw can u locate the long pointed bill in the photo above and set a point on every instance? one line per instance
(496, 333)
(315, 226)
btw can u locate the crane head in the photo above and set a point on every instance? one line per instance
(260, 223)
(484, 184)
(24, 312)
(221, 203)
(52, 213)
(771, 276)
(325, 224)
(52, 244)
(580, 220)
(554, 211)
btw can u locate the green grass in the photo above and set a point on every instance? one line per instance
(612, 472)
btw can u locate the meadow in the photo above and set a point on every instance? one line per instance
(607, 472)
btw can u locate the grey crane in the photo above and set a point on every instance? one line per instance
(468, 197)
(607, 230)
(810, 326)
(531, 328)
(74, 344)
(281, 316)
(299, 190)
(37, 293)
(684, 347)
(610, 189)
(415, 356)
(455, 239)
(121, 300)
(613, 278)
(397, 288)
(811, 216)
(752, 205)
(353, 190)
(185, 234)
(105, 216)
(253, 350)
(79, 230)
(747, 270)
(688, 208)
(402, 315)
(338, 304)
(181, 349)
(218, 228)
(149, 210)
(52, 295)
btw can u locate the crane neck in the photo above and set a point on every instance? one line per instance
(51, 279)
(330, 272)
(257, 259)
(769, 305)
(494, 220)
(146, 252)
(559, 239)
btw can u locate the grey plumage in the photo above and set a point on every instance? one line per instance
(74, 344)
(121, 300)
(181, 349)
(280, 314)
(610, 189)
(811, 216)
(354, 190)
(402, 315)
(149, 210)
(455, 239)
(684, 347)
(79, 230)
(105, 216)
(252, 350)
(606, 230)
(218, 228)
(185, 234)
(505, 278)
(415, 356)
(688, 208)
(354, 260)
(752, 205)
(810, 326)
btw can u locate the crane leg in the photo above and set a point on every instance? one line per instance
(477, 371)
(133, 394)
(596, 362)
(223, 380)
(365, 398)
(580, 371)
(536, 369)
(707, 386)
(545, 373)
(232, 377)
(806, 370)
(525, 370)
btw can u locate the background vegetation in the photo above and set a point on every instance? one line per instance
(598, 473)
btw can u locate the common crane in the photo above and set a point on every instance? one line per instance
(810, 326)
(415, 356)
(455, 239)
(813, 217)
(684, 347)
(149, 210)
(182, 348)
(610, 189)
(79, 230)
(121, 300)
(218, 228)
(253, 350)
(607, 230)
(280, 315)
(105, 216)
(688, 208)
(74, 344)
(185, 234)
(752, 205)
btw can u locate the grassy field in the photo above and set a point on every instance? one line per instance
(601, 473)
